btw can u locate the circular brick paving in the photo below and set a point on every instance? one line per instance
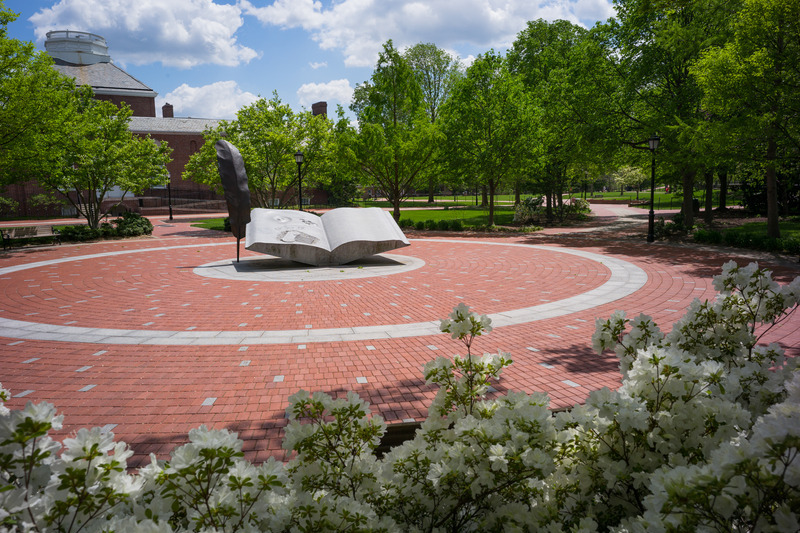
(128, 336)
(248, 307)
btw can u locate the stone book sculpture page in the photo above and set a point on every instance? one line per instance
(337, 237)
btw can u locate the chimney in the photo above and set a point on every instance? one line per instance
(320, 108)
(166, 111)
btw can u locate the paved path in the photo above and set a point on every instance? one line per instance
(152, 337)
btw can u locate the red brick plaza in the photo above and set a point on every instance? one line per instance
(152, 337)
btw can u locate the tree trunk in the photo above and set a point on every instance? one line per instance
(773, 227)
(687, 178)
(431, 186)
(723, 190)
(783, 196)
(484, 196)
(491, 201)
(549, 211)
(396, 192)
(517, 194)
(708, 213)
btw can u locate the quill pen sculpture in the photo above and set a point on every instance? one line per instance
(234, 183)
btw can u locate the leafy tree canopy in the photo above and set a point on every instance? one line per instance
(36, 103)
(101, 155)
(396, 140)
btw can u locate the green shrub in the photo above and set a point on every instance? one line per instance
(770, 244)
(133, 225)
(128, 225)
(733, 238)
(406, 223)
(663, 229)
(420, 225)
(226, 224)
(529, 210)
(443, 225)
(792, 245)
(456, 225)
(578, 206)
(8, 207)
(753, 241)
(106, 230)
(707, 236)
(430, 224)
(79, 233)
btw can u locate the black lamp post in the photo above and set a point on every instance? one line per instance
(299, 158)
(169, 194)
(653, 141)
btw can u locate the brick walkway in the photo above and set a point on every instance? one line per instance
(137, 336)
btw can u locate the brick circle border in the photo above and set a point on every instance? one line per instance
(625, 279)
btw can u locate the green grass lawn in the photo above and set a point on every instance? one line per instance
(440, 201)
(753, 236)
(469, 217)
(790, 229)
(211, 223)
(662, 199)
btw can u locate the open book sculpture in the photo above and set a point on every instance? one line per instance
(339, 236)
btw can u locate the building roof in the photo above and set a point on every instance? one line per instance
(104, 78)
(171, 125)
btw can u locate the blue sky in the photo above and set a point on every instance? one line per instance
(210, 57)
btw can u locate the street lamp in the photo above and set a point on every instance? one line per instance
(653, 141)
(169, 194)
(299, 158)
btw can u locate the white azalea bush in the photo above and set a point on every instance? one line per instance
(702, 435)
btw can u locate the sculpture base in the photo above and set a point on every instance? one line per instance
(268, 268)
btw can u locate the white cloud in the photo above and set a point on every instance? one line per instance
(467, 61)
(178, 33)
(218, 100)
(333, 92)
(358, 28)
(316, 65)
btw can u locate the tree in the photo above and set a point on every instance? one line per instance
(436, 72)
(483, 122)
(315, 137)
(264, 132)
(202, 165)
(35, 104)
(8, 207)
(396, 140)
(268, 133)
(340, 167)
(753, 81)
(629, 177)
(654, 46)
(100, 155)
(568, 77)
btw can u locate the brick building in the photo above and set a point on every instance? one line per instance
(84, 57)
